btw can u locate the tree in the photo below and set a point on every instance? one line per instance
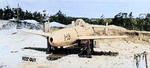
(108, 20)
(7, 13)
(118, 19)
(130, 23)
(101, 20)
(140, 21)
(1, 14)
(147, 22)
(18, 13)
(59, 17)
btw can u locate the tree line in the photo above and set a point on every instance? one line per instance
(126, 20)
(17, 13)
(121, 19)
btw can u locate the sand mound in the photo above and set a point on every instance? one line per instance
(142, 37)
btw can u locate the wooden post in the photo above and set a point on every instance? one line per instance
(107, 28)
(141, 60)
(46, 27)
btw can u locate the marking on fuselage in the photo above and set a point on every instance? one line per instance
(67, 37)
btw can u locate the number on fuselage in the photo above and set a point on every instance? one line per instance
(67, 37)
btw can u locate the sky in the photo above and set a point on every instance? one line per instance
(82, 8)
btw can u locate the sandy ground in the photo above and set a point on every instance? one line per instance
(13, 41)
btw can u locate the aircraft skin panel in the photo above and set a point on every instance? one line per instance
(99, 37)
(37, 32)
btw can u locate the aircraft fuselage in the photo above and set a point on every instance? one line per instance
(68, 36)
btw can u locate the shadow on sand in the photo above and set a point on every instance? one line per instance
(59, 53)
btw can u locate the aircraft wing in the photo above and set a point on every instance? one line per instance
(100, 37)
(144, 32)
(37, 32)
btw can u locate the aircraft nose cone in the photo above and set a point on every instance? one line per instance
(51, 39)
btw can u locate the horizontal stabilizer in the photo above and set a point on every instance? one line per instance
(100, 37)
(37, 32)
